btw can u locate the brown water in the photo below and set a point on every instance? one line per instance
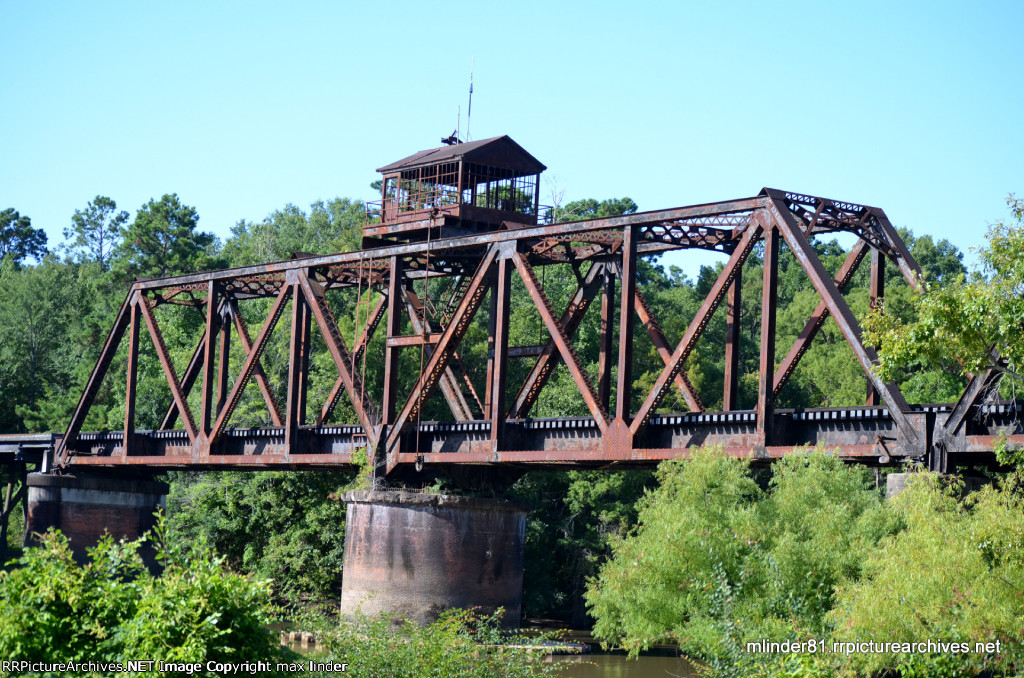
(619, 666)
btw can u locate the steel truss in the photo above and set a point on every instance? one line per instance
(492, 428)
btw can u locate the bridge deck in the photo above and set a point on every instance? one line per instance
(862, 434)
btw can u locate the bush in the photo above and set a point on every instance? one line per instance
(716, 562)
(460, 644)
(278, 525)
(112, 608)
(955, 574)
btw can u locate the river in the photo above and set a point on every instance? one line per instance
(619, 666)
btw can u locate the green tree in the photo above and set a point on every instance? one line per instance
(328, 228)
(17, 237)
(281, 526)
(958, 321)
(39, 310)
(163, 240)
(95, 232)
(589, 208)
(576, 517)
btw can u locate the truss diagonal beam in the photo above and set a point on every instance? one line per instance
(564, 347)
(165, 361)
(548, 359)
(837, 306)
(195, 364)
(369, 329)
(249, 366)
(698, 324)
(449, 384)
(657, 335)
(342, 360)
(92, 387)
(817, 319)
(442, 354)
(258, 373)
(188, 379)
(898, 251)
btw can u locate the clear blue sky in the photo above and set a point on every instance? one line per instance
(241, 108)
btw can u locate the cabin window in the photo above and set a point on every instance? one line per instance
(501, 189)
(429, 187)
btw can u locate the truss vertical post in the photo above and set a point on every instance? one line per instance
(606, 341)
(391, 353)
(206, 416)
(224, 357)
(302, 394)
(128, 441)
(627, 315)
(496, 386)
(766, 371)
(492, 349)
(292, 419)
(877, 295)
(730, 392)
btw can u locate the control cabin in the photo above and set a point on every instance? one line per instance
(454, 190)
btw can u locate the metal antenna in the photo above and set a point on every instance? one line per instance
(469, 111)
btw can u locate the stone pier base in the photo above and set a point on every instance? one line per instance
(415, 555)
(85, 507)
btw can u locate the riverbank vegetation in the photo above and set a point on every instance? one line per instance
(720, 566)
(196, 611)
(709, 553)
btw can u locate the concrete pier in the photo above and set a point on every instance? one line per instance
(415, 555)
(85, 507)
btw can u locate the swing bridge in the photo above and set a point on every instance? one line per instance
(465, 219)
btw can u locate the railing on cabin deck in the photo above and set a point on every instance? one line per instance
(375, 211)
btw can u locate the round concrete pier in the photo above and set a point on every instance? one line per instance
(85, 507)
(415, 555)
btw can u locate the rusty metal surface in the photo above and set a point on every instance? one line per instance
(603, 255)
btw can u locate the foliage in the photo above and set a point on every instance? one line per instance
(18, 239)
(38, 305)
(112, 607)
(95, 232)
(589, 208)
(958, 320)
(328, 227)
(280, 526)
(461, 643)
(955, 574)
(163, 240)
(716, 561)
(575, 517)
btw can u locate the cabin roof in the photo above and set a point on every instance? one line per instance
(497, 152)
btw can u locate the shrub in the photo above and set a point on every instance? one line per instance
(460, 644)
(112, 608)
(716, 562)
(955, 574)
(278, 525)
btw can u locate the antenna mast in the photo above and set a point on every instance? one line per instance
(469, 111)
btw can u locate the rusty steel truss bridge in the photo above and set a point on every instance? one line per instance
(492, 426)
